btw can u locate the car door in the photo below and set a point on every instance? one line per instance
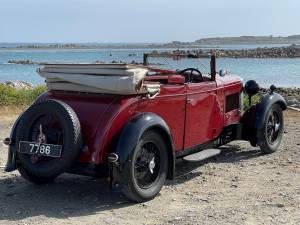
(200, 111)
(169, 105)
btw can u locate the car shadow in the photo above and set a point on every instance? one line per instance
(230, 153)
(73, 196)
(69, 196)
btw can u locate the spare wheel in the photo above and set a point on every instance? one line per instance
(48, 139)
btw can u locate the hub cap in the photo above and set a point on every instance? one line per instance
(152, 165)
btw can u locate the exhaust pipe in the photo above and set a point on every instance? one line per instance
(7, 141)
(112, 158)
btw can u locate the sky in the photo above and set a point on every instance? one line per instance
(141, 21)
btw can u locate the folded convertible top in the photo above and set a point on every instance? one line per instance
(122, 79)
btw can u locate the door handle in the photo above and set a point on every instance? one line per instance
(189, 100)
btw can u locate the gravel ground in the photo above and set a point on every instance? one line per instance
(240, 186)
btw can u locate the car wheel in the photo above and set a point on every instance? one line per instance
(49, 122)
(147, 168)
(272, 131)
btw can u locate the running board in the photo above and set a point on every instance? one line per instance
(199, 156)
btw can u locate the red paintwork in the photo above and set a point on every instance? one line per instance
(200, 116)
(194, 112)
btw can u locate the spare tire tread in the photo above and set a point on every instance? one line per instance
(34, 179)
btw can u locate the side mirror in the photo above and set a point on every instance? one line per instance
(222, 73)
(176, 79)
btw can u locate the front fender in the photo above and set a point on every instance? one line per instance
(128, 140)
(11, 164)
(264, 105)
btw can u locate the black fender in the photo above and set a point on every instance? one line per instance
(128, 139)
(264, 105)
(254, 117)
(11, 163)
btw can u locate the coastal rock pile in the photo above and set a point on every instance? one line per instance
(18, 84)
(124, 62)
(25, 62)
(291, 95)
(292, 51)
(195, 53)
(294, 103)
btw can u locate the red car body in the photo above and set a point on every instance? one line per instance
(194, 112)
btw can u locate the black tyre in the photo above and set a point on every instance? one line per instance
(272, 131)
(50, 122)
(34, 179)
(148, 168)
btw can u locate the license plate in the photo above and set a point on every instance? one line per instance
(40, 149)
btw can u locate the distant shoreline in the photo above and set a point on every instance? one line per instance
(128, 47)
(104, 46)
(200, 43)
(292, 51)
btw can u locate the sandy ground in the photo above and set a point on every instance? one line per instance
(241, 186)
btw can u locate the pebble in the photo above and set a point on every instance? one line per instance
(178, 218)
(145, 204)
(280, 205)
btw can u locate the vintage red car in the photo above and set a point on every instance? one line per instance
(134, 139)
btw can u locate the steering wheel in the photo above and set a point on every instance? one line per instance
(190, 77)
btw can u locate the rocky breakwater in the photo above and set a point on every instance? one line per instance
(18, 84)
(292, 51)
(25, 62)
(291, 95)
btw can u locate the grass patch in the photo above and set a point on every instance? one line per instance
(255, 99)
(10, 96)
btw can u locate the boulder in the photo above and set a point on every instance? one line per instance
(19, 84)
(294, 103)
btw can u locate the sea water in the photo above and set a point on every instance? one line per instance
(281, 72)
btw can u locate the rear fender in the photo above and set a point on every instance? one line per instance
(128, 140)
(11, 163)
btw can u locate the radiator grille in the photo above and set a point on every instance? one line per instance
(232, 102)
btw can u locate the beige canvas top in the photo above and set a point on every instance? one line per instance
(120, 79)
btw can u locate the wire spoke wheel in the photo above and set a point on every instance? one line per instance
(270, 135)
(146, 168)
(273, 127)
(46, 129)
(147, 165)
